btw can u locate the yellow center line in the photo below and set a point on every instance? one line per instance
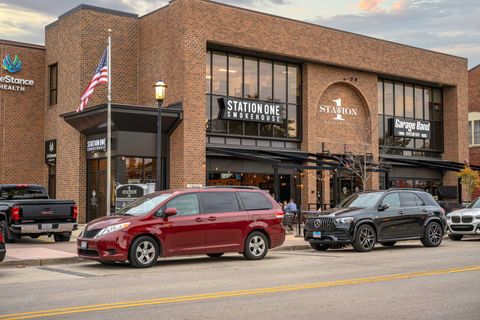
(225, 294)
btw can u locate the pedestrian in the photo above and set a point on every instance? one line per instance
(291, 207)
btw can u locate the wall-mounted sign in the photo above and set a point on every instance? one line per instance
(338, 110)
(126, 193)
(95, 145)
(51, 152)
(9, 82)
(401, 127)
(250, 110)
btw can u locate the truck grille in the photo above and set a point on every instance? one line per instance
(467, 219)
(89, 234)
(455, 219)
(322, 224)
(461, 228)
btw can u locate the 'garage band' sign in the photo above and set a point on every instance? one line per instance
(248, 110)
(411, 128)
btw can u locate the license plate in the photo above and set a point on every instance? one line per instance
(83, 245)
(317, 234)
(47, 226)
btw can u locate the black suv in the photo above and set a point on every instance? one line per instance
(365, 218)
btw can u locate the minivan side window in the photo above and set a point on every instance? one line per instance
(186, 204)
(255, 201)
(216, 202)
(393, 200)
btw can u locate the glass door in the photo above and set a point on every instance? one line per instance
(96, 188)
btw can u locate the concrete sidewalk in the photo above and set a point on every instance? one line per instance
(44, 250)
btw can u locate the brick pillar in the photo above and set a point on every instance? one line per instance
(309, 188)
(326, 187)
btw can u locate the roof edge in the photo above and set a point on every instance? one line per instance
(22, 44)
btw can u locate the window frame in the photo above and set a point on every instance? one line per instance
(203, 202)
(161, 212)
(52, 90)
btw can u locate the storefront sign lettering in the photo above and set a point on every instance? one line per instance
(411, 128)
(97, 145)
(249, 110)
(338, 110)
(51, 152)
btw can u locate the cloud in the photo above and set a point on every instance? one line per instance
(370, 5)
(439, 25)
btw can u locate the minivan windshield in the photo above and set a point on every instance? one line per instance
(361, 200)
(143, 205)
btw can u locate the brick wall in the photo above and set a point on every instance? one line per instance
(22, 118)
(474, 89)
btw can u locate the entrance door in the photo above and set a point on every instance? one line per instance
(96, 188)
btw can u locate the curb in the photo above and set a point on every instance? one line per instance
(292, 248)
(39, 262)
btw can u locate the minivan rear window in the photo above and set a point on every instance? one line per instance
(217, 202)
(255, 201)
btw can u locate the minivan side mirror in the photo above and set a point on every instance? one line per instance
(383, 207)
(170, 212)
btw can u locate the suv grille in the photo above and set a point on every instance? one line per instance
(461, 227)
(323, 224)
(89, 234)
(455, 219)
(467, 219)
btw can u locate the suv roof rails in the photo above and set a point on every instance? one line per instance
(406, 189)
(232, 187)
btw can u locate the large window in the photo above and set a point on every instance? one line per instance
(474, 132)
(53, 79)
(415, 102)
(233, 75)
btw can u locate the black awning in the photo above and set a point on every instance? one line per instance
(93, 120)
(431, 163)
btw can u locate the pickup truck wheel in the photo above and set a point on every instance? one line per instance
(388, 243)
(433, 235)
(455, 237)
(365, 238)
(7, 236)
(319, 247)
(143, 252)
(62, 237)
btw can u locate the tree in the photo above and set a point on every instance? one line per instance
(470, 179)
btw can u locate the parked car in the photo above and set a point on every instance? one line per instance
(208, 221)
(464, 221)
(3, 250)
(384, 217)
(26, 210)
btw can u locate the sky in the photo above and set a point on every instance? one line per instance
(446, 26)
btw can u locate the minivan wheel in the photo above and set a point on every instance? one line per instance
(319, 247)
(143, 252)
(365, 238)
(433, 235)
(256, 246)
(388, 243)
(215, 255)
(455, 237)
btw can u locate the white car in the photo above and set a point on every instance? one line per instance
(464, 221)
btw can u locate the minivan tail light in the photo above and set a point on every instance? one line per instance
(74, 212)
(279, 214)
(15, 214)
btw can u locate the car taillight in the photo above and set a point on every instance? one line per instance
(279, 214)
(15, 214)
(74, 212)
(1, 236)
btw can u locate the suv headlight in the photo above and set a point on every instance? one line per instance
(113, 228)
(346, 220)
(448, 217)
(477, 217)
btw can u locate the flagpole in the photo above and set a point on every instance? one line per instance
(109, 122)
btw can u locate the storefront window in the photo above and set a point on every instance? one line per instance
(418, 102)
(234, 75)
(409, 101)
(476, 132)
(380, 97)
(399, 100)
(388, 92)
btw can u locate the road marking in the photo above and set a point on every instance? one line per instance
(217, 295)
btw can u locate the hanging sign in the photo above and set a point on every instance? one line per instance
(51, 152)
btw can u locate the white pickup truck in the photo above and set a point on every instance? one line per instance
(464, 221)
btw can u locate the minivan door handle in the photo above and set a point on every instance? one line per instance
(199, 220)
(212, 218)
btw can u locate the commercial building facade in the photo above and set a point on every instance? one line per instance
(253, 99)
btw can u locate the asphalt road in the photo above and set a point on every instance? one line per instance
(404, 282)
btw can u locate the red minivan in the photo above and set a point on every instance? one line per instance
(207, 220)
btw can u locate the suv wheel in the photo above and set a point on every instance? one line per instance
(455, 237)
(215, 255)
(388, 243)
(319, 247)
(143, 252)
(62, 237)
(433, 235)
(365, 238)
(256, 246)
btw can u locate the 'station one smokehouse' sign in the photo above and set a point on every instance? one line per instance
(249, 110)
(411, 128)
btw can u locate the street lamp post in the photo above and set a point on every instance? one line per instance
(160, 87)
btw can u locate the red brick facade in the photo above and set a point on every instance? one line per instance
(170, 44)
(474, 106)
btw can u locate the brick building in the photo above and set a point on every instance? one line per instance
(252, 99)
(474, 114)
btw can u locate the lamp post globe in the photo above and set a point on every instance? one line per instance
(160, 87)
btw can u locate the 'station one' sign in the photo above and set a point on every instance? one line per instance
(97, 145)
(250, 110)
(411, 128)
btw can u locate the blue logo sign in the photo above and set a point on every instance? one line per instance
(12, 66)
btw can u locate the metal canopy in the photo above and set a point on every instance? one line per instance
(93, 120)
(431, 163)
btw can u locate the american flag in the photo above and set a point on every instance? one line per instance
(101, 76)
